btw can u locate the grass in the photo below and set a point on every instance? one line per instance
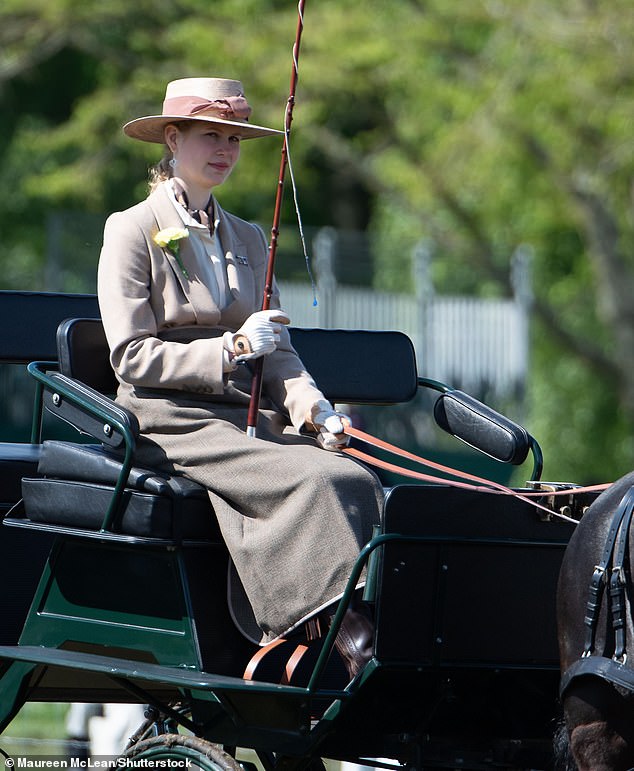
(38, 729)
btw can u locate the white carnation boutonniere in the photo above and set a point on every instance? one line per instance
(170, 238)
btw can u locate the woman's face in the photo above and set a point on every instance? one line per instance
(205, 153)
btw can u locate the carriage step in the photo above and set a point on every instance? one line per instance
(138, 670)
(243, 710)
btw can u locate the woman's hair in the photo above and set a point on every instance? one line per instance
(162, 170)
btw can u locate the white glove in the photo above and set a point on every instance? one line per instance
(329, 425)
(258, 336)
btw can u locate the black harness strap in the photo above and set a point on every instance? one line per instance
(598, 666)
(617, 588)
(599, 579)
(612, 669)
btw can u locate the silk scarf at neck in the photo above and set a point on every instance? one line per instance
(203, 216)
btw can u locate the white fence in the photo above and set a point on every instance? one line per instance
(479, 345)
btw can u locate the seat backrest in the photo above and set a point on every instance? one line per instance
(349, 366)
(83, 354)
(28, 321)
(359, 366)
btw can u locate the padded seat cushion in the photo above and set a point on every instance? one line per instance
(16, 461)
(77, 482)
(95, 463)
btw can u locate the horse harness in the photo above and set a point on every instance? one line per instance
(611, 570)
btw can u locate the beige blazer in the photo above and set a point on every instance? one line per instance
(164, 329)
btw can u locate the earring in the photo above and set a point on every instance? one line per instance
(172, 163)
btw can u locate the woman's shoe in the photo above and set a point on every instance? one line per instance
(355, 639)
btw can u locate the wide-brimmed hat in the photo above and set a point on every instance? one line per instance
(215, 100)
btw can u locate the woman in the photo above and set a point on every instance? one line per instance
(180, 285)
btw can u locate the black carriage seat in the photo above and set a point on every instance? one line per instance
(78, 481)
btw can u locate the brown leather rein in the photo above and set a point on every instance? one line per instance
(474, 483)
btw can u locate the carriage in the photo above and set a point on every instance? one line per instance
(115, 579)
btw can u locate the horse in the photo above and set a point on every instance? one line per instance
(596, 637)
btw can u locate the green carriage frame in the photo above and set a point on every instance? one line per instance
(139, 631)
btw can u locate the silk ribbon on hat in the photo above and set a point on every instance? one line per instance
(228, 108)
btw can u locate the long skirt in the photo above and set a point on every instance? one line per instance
(293, 516)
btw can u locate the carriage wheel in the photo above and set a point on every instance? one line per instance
(190, 750)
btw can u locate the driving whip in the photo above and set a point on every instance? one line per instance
(256, 383)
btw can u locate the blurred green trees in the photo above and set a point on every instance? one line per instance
(479, 125)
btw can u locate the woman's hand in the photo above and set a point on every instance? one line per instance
(329, 425)
(258, 336)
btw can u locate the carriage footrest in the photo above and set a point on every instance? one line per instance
(232, 704)
(138, 670)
